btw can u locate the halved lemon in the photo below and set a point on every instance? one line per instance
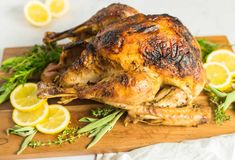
(223, 56)
(57, 120)
(24, 97)
(57, 7)
(37, 13)
(218, 75)
(30, 118)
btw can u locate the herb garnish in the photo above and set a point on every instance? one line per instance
(102, 111)
(23, 67)
(69, 135)
(98, 128)
(27, 132)
(222, 101)
(206, 48)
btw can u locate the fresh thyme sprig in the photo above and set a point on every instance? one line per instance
(24, 67)
(69, 135)
(102, 111)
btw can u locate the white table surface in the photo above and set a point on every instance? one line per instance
(202, 17)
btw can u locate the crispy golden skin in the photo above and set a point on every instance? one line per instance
(147, 64)
(82, 34)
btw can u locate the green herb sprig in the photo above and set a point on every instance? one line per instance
(222, 101)
(27, 132)
(102, 111)
(24, 67)
(206, 48)
(98, 128)
(69, 135)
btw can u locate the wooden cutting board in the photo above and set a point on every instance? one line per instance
(119, 139)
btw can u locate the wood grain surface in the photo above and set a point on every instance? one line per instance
(119, 139)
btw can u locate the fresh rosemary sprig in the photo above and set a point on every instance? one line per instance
(206, 48)
(22, 68)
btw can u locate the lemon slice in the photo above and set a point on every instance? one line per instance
(223, 56)
(24, 97)
(218, 75)
(56, 121)
(30, 118)
(37, 13)
(57, 7)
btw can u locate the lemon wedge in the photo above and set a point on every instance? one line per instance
(57, 120)
(223, 56)
(24, 97)
(218, 75)
(37, 13)
(30, 118)
(57, 7)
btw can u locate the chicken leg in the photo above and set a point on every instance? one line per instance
(86, 30)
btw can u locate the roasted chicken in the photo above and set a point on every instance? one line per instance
(148, 65)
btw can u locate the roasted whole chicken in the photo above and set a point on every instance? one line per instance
(148, 65)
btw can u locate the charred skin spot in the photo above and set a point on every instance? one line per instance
(115, 10)
(79, 43)
(86, 57)
(79, 62)
(172, 55)
(91, 49)
(107, 92)
(123, 79)
(144, 29)
(112, 41)
(109, 39)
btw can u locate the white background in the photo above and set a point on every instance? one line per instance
(202, 17)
